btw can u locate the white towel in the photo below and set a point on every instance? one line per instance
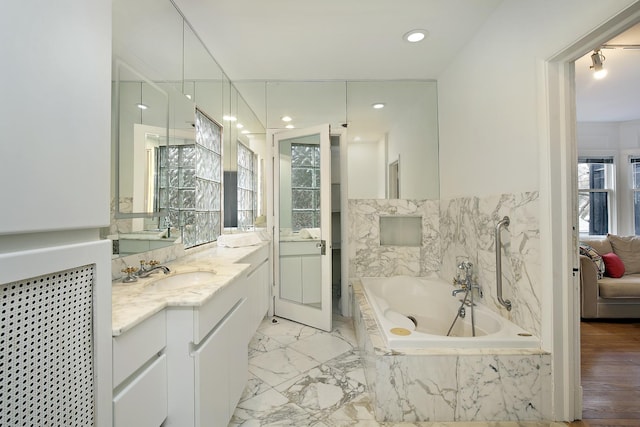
(238, 240)
(310, 233)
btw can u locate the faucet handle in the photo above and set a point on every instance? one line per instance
(153, 263)
(131, 277)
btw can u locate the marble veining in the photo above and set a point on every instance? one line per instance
(368, 258)
(467, 230)
(133, 302)
(332, 393)
(445, 385)
(454, 230)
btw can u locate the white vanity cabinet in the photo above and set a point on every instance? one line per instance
(207, 358)
(140, 375)
(258, 287)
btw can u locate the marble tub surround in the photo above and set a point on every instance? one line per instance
(134, 302)
(467, 231)
(368, 258)
(317, 393)
(447, 385)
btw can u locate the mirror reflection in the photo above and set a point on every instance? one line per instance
(167, 174)
(391, 151)
(405, 127)
(299, 204)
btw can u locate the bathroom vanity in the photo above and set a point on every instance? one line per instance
(180, 350)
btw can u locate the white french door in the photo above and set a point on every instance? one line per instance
(302, 226)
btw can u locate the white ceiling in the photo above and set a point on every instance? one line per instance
(296, 40)
(334, 39)
(616, 97)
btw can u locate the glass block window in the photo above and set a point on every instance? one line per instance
(208, 191)
(177, 183)
(595, 193)
(305, 186)
(247, 186)
(191, 183)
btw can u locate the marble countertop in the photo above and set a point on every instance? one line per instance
(131, 303)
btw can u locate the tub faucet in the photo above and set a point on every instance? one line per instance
(466, 283)
(457, 291)
(148, 271)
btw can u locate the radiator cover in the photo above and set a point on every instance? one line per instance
(47, 350)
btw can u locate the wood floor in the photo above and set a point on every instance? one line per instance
(610, 374)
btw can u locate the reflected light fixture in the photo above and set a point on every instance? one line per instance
(415, 36)
(245, 132)
(289, 126)
(239, 125)
(286, 118)
(378, 105)
(597, 60)
(142, 106)
(229, 118)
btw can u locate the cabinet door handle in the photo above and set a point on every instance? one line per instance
(322, 244)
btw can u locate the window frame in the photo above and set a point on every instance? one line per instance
(610, 189)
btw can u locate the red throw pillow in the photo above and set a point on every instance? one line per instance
(613, 266)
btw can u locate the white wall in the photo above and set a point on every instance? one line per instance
(489, 96)
(56, 153)
(366, 169)
(55, 108)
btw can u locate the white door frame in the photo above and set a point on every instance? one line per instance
(299, 312)
(557, 220)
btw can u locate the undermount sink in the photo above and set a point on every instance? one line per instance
(182, 280)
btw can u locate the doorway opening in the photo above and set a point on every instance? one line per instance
(561, 222)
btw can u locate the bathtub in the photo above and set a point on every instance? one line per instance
(417, 312)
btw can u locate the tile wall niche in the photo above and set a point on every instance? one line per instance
(367, 258)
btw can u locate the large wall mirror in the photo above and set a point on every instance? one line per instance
(177, 117)
(385, 120)
(159, 62)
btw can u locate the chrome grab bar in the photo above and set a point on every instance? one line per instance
(504, 222)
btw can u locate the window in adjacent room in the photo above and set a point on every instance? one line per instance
(595, 194)
(635, 183)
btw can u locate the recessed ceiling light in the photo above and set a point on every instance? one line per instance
(142, 106)
(378, 105)
(230, 118)
(290, 126)
(286, 118)
(415, 36)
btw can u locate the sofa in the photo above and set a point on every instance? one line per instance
(604, 296)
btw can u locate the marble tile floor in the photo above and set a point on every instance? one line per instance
(300, 376)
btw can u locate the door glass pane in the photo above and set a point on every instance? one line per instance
(300, 259)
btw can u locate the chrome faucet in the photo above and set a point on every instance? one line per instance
(467, 285)
(457, 291)
(148, 271)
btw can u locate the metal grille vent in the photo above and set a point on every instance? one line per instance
(46, 350)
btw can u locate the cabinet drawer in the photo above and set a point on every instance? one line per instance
(210, 314)
(256, 258)
(143, 402)
(135, 347)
